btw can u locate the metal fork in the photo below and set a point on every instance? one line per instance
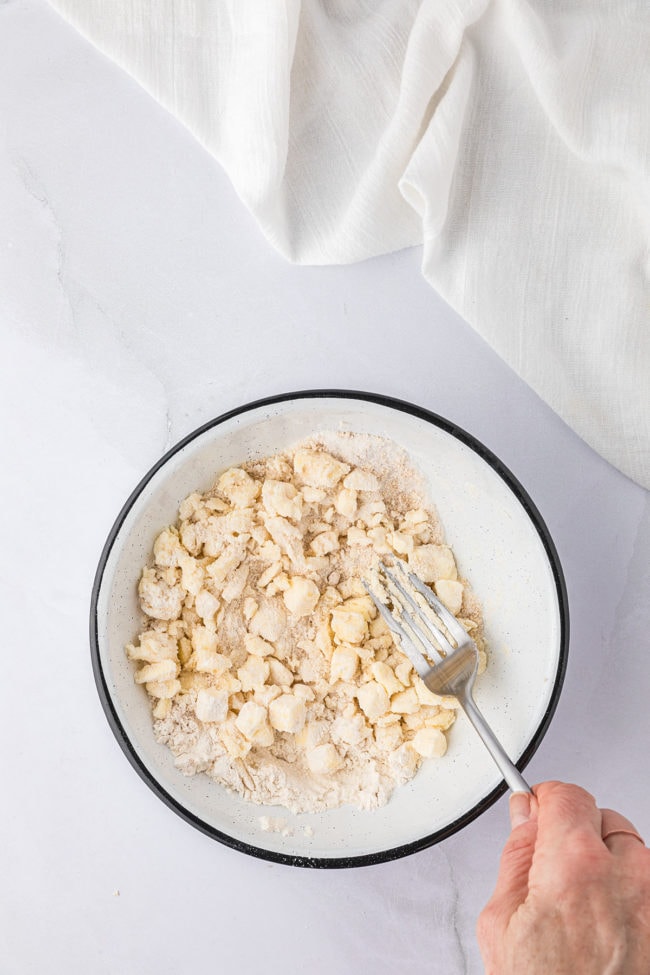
(456, 672)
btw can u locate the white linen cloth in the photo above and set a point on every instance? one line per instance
(510, 137)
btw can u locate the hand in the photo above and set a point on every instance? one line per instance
(566, 901)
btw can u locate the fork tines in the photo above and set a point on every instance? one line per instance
(412, 611)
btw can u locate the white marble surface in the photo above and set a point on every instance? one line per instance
(137, 300)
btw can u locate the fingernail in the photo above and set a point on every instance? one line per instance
(519, 808)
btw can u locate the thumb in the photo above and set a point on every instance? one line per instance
(512, 883)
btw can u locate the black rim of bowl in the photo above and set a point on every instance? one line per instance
(476, 810)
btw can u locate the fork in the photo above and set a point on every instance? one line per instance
(456, 672)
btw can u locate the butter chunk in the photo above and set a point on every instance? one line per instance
(385, 676)
(313, 733)
(400, 543)
(350, 730)
(405, 702)
(425, 696)
(236, 584)
(323, 759)
(265, 736)
(282, 498)
(433, 562)
(184, 650)
(211, 705)
(403, 762)
(209, 662)
(204, 638)
(158, 599)
(301, 596)
(429, 742)
(371, 514)
(323, 641)
(269, 621)
(373, 700)
(153, 646)
(361, 604)
(349, 626)
(162, 708)
(313, 495)
(259, 535)
(258, 646)
(346, 503)
(265, 694)
(269, 574)
(269, 551)
(279, 673)
(443, 719)
(450, 592)
(167, 549)
(163, 688)
(235, 743)
(220, 529)
(279, 584)
(357, 536)
(415, 519)
(360, 480)
(163, 670)
(287, 536)
(251, 720)
(287, 713)
(344, 663)
(226, 562)
(191, 681)
(317, 565)
(254, 673)
(228, 682)
(404, 672)
(206, 605)
(318, 469)
(379, 538)
(324, 543)
(190, 506)
(378, 628)
(191, 574)
(239, 487)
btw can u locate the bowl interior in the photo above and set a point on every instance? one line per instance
(498, 549)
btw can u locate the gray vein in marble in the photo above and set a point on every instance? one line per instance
(35, 189)
(454, 905)
(86, 328)
(168, 427)
(632, 604)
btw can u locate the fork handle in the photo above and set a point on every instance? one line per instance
(509, 771)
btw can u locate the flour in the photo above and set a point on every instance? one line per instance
(267, 664)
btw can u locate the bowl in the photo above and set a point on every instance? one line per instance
(503, 548)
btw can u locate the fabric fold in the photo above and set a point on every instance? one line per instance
(510, 138)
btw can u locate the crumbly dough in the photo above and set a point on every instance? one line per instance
(265, 660)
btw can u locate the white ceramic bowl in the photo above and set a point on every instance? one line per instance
(502, 547)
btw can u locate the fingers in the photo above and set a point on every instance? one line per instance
(523, 807)
(545, 826)
(619, 843)
(565, 810)
(558, 847)
(512, 882)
